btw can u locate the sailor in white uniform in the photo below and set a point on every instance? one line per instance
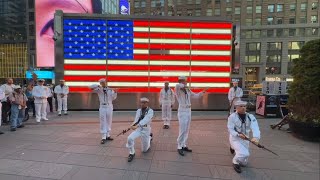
(235, 93)
(40, 94)
(166, 100)
(62, 92)
(243, 122)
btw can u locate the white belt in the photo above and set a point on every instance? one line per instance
(105, 105)
(185, 106)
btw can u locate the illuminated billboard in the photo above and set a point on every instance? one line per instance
(139, 55)
(44, 11)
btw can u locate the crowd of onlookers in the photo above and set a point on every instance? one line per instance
(18, 101)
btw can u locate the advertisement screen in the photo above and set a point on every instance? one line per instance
(139, 55)
(124, 7)
(44, 11)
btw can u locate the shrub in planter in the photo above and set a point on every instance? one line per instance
(304, 92)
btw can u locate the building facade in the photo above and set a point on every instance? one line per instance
(271, 31)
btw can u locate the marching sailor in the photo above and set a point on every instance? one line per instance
(166, 102)
(235, 93)
(62, 92)
(243, 122)
(184, 112)
(142, 128)
(106, 96)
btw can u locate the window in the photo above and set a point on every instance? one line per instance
(270, 20)
(198, 1)
(314, 19)
(31, 30)
(258, 9)
(292, 20)
(248, 34)
(273, 70)
(291, 57)
(257, 21)
(302, 32)
(217, 12)
(198, 12)
(271, 8)
(228, 1)
(314, 6)
(31, 16)
(274, 58)
(170, 13)
(228, 10)
(248, 21)
(249, 10)
(143, 3)
(270, 33)
(189, 1)
(303, 6)
(279, 20)
(253, 46)
(189, 12)
(252, 59)
(280, 8)
(256, 34)
(137, 4)
(303, 19)
(279, 32)
(153, 3)
(179, 13)
(292, 7)
(209, 12)
(217, 1)
(314, 31)
(274, 46)
(179, 2)
(292, 32)
(295, 45)
(237, 10)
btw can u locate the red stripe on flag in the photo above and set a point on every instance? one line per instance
(86, 67)
(210, 25)
(181, 46)
(162, 24)
(180, 57)
(83, 78)
(211, 58)
(181, 36)
(212, 36)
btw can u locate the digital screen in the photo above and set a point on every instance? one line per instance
(41, 74)
(44, 11)
(124, 7)
(140, 55)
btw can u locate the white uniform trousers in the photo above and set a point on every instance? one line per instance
(166, 113)
(232, 105)
(241, 149)
(0, 113)
(62, 104)
(184, 117)
(105, 114)
(144, 133)
(41, 111)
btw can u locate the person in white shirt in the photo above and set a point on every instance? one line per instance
(106, 96)
(235, 93)
(2, 95)
(7, 89)
(166, 102)
(40, 94)
(242, 122)
(62, 92)
(184, 94)
(142, 128)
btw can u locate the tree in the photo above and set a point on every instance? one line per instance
(304, 92)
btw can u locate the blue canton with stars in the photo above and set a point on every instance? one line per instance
(98, 39)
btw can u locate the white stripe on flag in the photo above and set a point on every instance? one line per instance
(85, 73)
(211, 31)
(145, 84)
(182, 41)
(210, 63)
(185, 52)
(84, 61)
(182, 30)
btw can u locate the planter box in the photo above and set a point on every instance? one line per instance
(306, 131)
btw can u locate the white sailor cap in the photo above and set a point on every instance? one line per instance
(102, 80)
(93, 86)
(240, 103)
(17, 87)
(235, 81)
(144, 99)
(182, 78)
(41, 80)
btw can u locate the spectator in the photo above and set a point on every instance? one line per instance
(18, 104)
(7, 89)
(30, 102)
(1, 97)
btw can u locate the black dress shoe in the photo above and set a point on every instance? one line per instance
(109, 138)
(164, 126)
(13, 129)
(180, 151)
(103, 141)
(59, 114)
(231, 150)
(21, 126)
(186, 149)
(1, 132)
(130, 157)
(167, 126)
(237, 168)
(151, 135)
(65, 114)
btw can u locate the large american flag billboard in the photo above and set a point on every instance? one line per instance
(139, 55)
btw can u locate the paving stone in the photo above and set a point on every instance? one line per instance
(46, 170)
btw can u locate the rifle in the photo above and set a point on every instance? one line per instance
(128, 129)
(258, 145)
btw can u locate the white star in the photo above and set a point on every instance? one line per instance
(110, 43)
(92, 31)
(87, 50)
(110, 51)
(127, 24)
(87, 35)
(127, 40)
(93, 39)
(121, 36)
(128, 48)
(81, 47)
(81, 54)
(99, 35)
(93, 54)
(104, 24)
(122, 28)
(70, 47)
(81, 31)
(76, 27)
(98, 28)
(87, 27)
(104, 39)
(99, 43)
(69, 23)
(121, 43)
(93, 24)
(104, 54)
(93, 47)
(116, 24)
(127, 32)
(104, 31)
(87, 42)
(121, 51)
(81, 23)
(70, 54)
(116, 47)
(70, 39)
(127, 54)
(116, 40)
(70, 30)
(116, 54)
(104, 47)
(110, 28)
(81, 39)
(76, 42)
(116, 32)
(99, 51)
(76, 50)
(76, 35)
(110, 36)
